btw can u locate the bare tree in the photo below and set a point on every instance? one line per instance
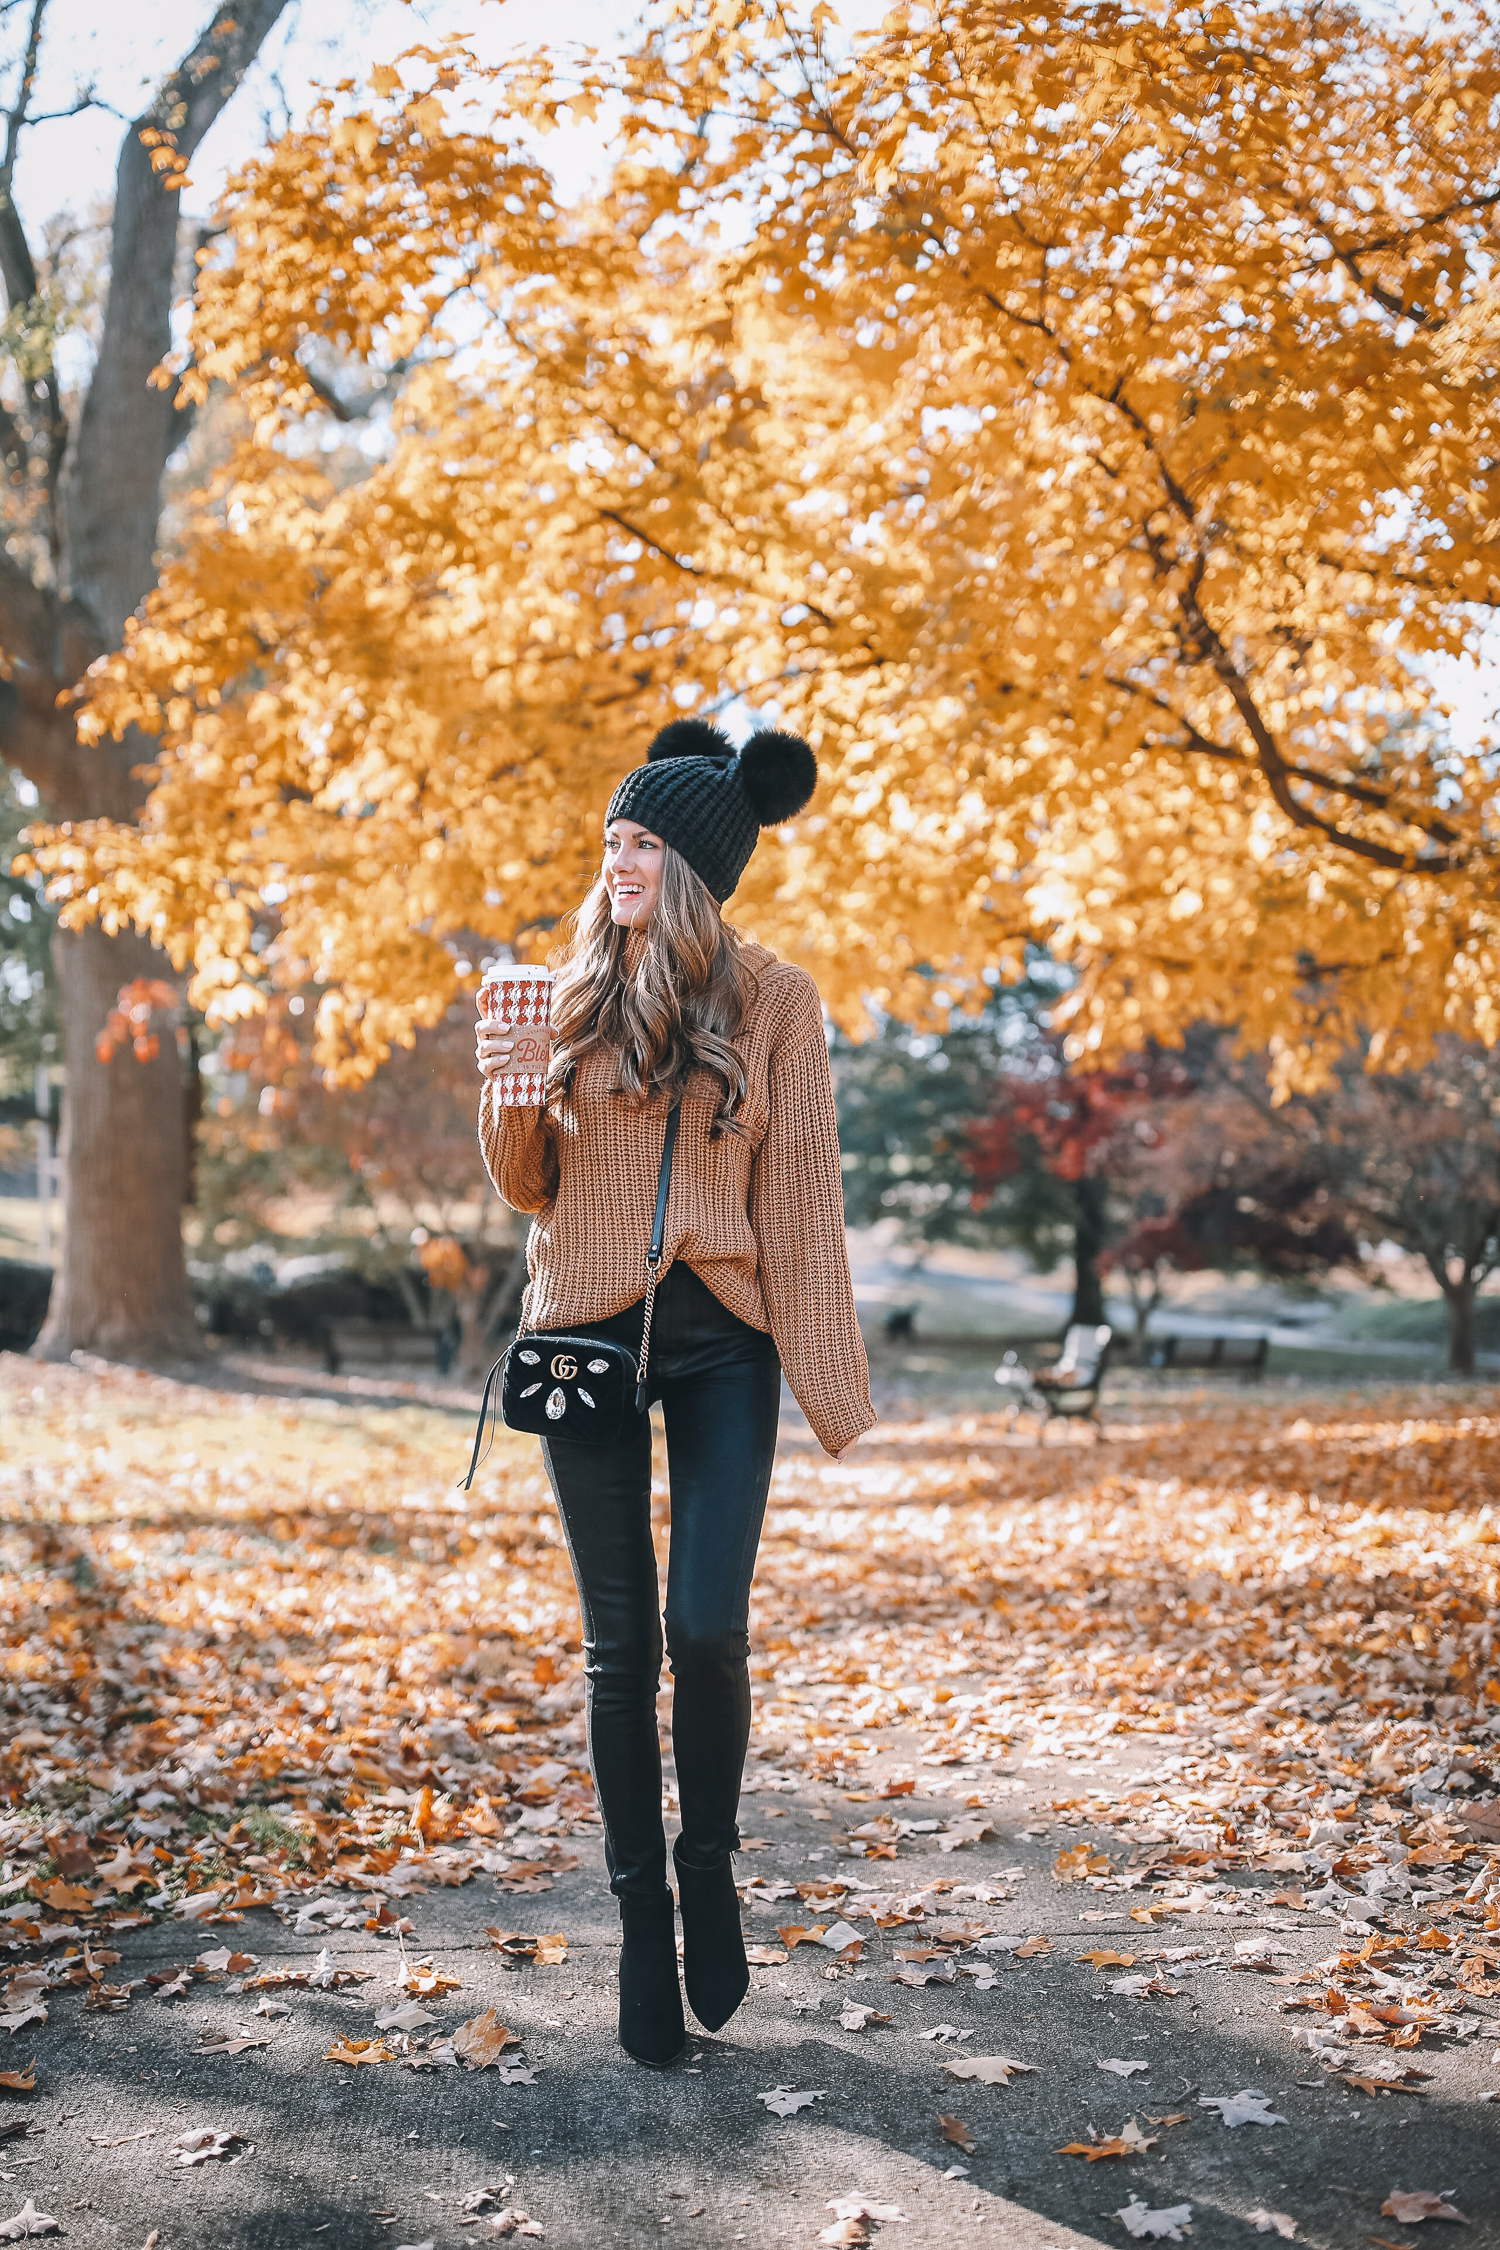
(94, 492)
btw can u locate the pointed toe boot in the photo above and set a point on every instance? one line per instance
(714, 1968)
(652, 2030)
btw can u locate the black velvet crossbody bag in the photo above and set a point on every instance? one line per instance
(582, 1388)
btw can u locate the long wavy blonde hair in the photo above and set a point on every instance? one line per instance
(665, 1000)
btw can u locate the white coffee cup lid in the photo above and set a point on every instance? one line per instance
(518, 971)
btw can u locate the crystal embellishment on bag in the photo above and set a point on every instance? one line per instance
(530, 1359)
(531, 1390)
(586, 1396)
(598, 1367)
(557, 1405)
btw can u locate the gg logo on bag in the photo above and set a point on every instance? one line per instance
(564, 1367)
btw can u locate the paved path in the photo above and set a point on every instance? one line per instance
(601, 2153)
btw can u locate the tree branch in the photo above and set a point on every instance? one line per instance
(17, 266)
(128, 428)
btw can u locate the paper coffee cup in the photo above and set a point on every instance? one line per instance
(519, 995)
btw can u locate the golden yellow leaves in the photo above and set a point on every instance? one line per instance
(358, 2052)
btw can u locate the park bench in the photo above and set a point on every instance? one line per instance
(387, 1342)
(1069, 1388)
(1240, 1355)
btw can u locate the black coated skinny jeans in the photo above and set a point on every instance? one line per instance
(719, 1382)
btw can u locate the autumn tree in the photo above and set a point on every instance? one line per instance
(1084, 1131)
(908, 1102)
(1215, 1181)
(81, 503)
(392, 1168)
(1410, 1157)
(1079, 421)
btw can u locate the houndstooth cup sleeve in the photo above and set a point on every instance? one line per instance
(797, 1215)
(519, 1152)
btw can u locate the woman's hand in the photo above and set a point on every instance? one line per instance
(493, 1046)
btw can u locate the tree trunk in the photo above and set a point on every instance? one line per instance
(1143, 1303)
(122, 1288)
(1460, 1296)
(1088, 1243)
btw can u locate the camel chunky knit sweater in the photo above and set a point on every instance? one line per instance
(758, 1216)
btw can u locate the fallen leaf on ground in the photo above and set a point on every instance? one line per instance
(546, 1951)
(20, 2081)
(266, 2006)
(1411, 2206)
(1129, 2141)
(67, 1898)
(29, 2221)
(782, 2101)
(990, 2070)
(854, 2015)
(853, 2216)
(405, 2015)
(954, 2130)
(1273, 2222)
(1124, 2069)
(1105, 1960)
(357, 2051)
(1248, 2107)
(513, 2221)
(765, 1956)
(427, 1984)
(229, 2042)
(840, 1938)
(207, 2144)
(482, 2040)
(32, 2011)
(1031, 1945)
(1073, 1865)
(1154, 2226)
(794, 1934)
(222, 1961)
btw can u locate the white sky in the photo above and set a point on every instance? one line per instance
(125, 52)
(70, 165)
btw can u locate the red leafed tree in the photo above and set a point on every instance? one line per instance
(1074, 1134)
(1144, 1256)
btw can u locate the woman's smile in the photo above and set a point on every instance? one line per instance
(632, 872)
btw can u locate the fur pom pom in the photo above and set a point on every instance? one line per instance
(780, 773)
(690, 738)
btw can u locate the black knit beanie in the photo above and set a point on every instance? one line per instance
(709, 801)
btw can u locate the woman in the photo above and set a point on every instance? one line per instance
(657, 1001)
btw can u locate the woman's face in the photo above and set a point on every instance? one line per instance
(632, 872)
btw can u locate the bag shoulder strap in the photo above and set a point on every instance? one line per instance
(653, 1267)
(654, 1254)
(663, 1182)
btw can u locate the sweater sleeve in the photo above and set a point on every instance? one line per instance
(519, 1152)
(797, 1214)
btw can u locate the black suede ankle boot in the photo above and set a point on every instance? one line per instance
(651, 2025)
(714, 1967)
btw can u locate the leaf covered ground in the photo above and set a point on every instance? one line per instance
(263, 1653)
